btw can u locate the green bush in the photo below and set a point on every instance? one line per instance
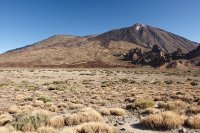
(44, 99)
(144, 103)
(31, 122)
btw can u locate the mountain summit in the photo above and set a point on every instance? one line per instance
(147, 36)
(94, 51)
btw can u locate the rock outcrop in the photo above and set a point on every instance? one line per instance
(155, 57)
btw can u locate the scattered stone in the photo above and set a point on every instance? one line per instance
(182, 130)
(120, 122)
(116, 124)
(130, 106)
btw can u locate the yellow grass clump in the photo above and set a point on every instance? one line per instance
(19, 97)
(167, 120)
(91, 127)
(117, 111)
(57, 121)
(161, 104)
(7, 129)
(151, 111)
(104, 111)
(172, 105)
(62, 105)
(53, 108)
(84, 115)
(46, 129)
(48, 104)
(194, 109)
(194, 121)
(4, 130)
(18, 132)
(75, 106)
(13, 110)
(38, 103)
(5, 118)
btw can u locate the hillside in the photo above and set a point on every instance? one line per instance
(93, 51)
(65, 51)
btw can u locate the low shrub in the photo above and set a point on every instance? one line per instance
(84, 115)
(117, 111)
(5, 118)
(166, 120)
(44, 99)
(32, 121)
(57, 121)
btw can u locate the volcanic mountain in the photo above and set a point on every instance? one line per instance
(147, 36)
(93, 51)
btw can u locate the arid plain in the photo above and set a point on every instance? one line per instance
(137, 100)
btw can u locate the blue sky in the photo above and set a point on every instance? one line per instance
(24, 22)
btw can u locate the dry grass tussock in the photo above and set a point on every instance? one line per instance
(104, 111)
(13, 110)
(194, 109)
(5, 118)
(141, 103)
(166, 120)
(176, 105)
(151, 111)
(91, 127)
(84, 115)
(34, 120)
(8, 129)
(117, 111)
(4, 130)
(194, 121)
(53, 108)
(112, 111)
(172, 105)
(46, 129)
(57, 121)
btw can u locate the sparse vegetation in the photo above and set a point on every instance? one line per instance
(84, 104)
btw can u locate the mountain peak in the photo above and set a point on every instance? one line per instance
(147, 36)
(138, 26)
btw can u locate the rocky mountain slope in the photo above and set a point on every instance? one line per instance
(147, 36)
(93, 51)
